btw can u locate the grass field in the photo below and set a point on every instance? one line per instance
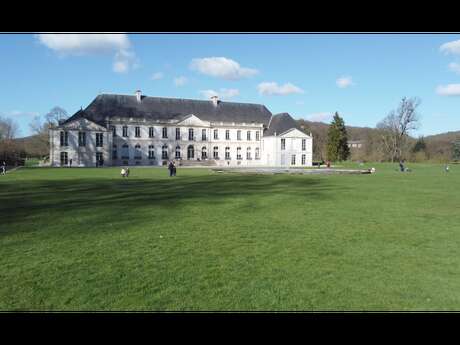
(85, 239)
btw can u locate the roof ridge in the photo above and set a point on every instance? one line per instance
(179, 98)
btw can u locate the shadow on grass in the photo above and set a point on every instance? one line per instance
(108, 198)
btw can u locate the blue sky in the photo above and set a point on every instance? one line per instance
(310, 76)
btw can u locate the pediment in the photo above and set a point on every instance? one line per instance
(192, 120)
(293, 133)
(83, 124)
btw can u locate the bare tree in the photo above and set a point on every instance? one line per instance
(55, 115)
(8, 129)
(395, 127)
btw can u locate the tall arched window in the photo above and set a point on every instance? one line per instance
(164, 152)
(125, 151)
(177, 152)
(238, 153)
(248, 153)
(190, 152)
(227, 152)
(215, 152)
(137, 152)
(151, 152)
(257, 153)
(204, 153)
(114, 152)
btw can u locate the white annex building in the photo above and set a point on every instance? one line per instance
(119, 130)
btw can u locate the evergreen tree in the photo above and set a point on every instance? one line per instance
(337, 140)
(456, 150)
(419, 145)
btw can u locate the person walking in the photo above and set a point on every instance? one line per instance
(401, 166)
(3, 168)
(447, 168)
(174, 168)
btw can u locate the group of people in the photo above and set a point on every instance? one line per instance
(124, 172)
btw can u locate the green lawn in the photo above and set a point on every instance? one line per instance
(86, 239)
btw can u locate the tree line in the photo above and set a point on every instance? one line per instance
(389, 141)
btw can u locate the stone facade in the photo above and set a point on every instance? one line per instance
(128, 141)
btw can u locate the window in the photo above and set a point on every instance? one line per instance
(249, 135)
(227, 152)
(165, 133)
(151, 152)
(99, 159)
(216, 134)
(215, 152)
(114, 152)
(164, 151)
(303, 159)
(257, 153)
(177, 133)
(203, 134)
(227, 134)
(190, 134)
(151, 132)
(190, 152)
(99, 139)
(137, 132)
(248, 153)
(137, 152)
(283, 144)
(204, 153)
(238, 153)
(125, 152)
(293, 160)
(125, 131)
(238, 135)
(114, 131)
(304, 144)
(257, 135)
(177, 152)
(64, 157)
(64, 138)
(81, 138)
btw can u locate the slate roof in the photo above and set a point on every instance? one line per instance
(158, 108)
(280, 123)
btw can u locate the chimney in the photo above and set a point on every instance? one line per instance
(215, 100)
(138, 95)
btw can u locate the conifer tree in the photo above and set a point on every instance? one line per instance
(337, 140)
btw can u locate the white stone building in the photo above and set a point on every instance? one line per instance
(117, 130)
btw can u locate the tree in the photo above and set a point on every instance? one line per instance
(456, 150)
(55, 115)
(419, 145)
(8, 129)
(337, 140)
(40, 127)
(396, 126)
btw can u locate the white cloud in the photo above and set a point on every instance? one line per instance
(452, 47)
(455, 67)
(221, 67)
(344, 82)
(157, 76)
(222, 93)
(448, 90)
(272, 88)
(82, 44)
(16, 113)
(89, 44)
(320, 117)
(180, 81)
(124, 61)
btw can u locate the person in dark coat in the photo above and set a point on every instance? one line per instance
(174, 168)
(401, 166)
(3, 168)
(170, 168)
